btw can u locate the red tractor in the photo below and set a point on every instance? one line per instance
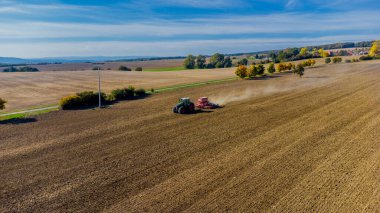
(203, 103)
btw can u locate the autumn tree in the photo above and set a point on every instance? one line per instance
(315, 52)
(281, 67)
(189, 62)
(201, 61)
(241, 71)
(303, 51)
(252, 71)
(375, 49)
(289, 66)
(321, 51)
(312, 62)
(260, 69)
(337, 60)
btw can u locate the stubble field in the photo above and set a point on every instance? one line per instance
(283, 144)
(25, 90)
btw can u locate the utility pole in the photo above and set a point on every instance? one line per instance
(100, 97)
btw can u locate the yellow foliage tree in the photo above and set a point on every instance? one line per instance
(241, 71)
(252, 71)
(281, 67)
(375, 49)
(304, 51)
(312, 62)
(289, 66)
(321, 51)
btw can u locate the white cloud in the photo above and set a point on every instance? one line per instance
(290, 4)
(256, 24)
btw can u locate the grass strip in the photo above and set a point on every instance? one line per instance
(181, 86)
(26, 114)
(168, 69)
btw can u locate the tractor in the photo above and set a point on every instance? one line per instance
(204, 103)
(184, 106)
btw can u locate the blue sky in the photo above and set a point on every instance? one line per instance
(54, 28)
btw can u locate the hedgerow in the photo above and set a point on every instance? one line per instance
(90, 99)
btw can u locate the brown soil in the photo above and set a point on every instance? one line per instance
(289, 144)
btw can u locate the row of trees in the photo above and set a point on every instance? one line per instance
(21, 69)
(216, 61)
(293, 54)
(253, 71)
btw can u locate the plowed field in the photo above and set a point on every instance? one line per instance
(282, 144)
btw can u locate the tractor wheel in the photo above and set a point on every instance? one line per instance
(182, 110)
(192, 108)
(175, 110)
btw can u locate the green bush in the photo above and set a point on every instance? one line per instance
(70, 102)
(347, 61)
(355, 60)
(140, 93)
(139, 69)
(110, 98)
(90, 99)
(365, 58)
(129, 92)
(299, 69)
(123, 94)
(2, 104)
(119, 94)
(328, 60)
(260, 69)
(337, 60)
(82, 99)
(124, 68)
(271, 68)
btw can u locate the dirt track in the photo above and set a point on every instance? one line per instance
(291, 144)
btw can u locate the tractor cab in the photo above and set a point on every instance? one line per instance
(184, 106)
(185, 100)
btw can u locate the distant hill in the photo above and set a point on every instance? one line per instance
(20, 61)
(74, 59)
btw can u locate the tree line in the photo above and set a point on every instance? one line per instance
(216, 61)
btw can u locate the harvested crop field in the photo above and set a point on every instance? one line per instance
(25, 90)
(283, 144)
(152, 64)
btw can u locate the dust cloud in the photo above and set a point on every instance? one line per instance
(248, 93)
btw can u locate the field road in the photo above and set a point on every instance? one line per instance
(282, 144)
